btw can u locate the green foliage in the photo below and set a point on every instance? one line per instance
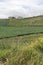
(21, 52)
(22, 22)
(14, 31)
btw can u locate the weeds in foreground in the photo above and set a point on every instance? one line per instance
(24, 55)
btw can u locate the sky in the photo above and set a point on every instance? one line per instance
(23, 8)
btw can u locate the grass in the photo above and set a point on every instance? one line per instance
(22, 22)
(22, 53)
(21, 50)
(14, 31)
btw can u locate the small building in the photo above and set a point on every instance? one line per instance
(11, 18)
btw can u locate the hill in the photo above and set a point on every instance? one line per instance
(38, 20)
(21, 41)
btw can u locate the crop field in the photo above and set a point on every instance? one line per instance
(14, 31)
(21, 41)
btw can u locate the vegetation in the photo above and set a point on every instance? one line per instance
(21, 41)
(37, 21)
(26, 50)
(14, 31)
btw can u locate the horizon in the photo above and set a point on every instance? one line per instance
(22, 17)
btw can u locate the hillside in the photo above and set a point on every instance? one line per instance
(21, 41)
(38, 20)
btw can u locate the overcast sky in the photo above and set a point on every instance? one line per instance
(25, 8)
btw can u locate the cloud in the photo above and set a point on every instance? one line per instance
(25, 8)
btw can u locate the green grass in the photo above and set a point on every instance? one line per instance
(21, 50)
(14, 31)
(38, 20)
(26, 50)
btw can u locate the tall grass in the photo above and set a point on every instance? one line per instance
(27, 55)
(30, 53)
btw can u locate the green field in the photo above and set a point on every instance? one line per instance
(14, 31)
(21, 41)
(38, 21)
